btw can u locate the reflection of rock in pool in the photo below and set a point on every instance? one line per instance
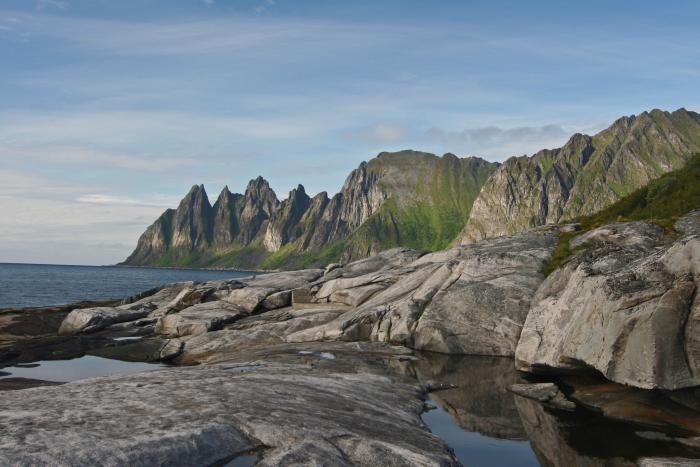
(478, 418)
(585, 439)
(480, 402)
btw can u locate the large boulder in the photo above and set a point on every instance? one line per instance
(270, 291)
(96, 319)
(626, 305)
(198, 319)
(467, 300)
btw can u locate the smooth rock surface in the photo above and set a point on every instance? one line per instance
(199, 319)
(95, 319)
(625, 306)
(201, 415)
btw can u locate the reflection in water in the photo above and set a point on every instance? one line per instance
(87, 366)
(472, 448)
(481, 402)
(585, 439)
(486, 425)
(478, 419)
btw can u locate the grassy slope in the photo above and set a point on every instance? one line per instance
(639, 155)
(662, 201)
(431, 215)
(437, 194)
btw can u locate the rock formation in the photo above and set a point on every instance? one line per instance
(584, 176)
(405, 198)
(626, 305)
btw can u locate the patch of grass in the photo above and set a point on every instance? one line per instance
(288, 257)
(663, 201)
(561, 253)
(420, 226)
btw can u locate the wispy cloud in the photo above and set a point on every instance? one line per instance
(498, 143)
(96, 198)
(264, 6)
(57, 4)
(84, 156)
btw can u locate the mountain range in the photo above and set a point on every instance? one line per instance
(419, 200)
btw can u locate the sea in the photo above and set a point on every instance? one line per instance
(31, 285)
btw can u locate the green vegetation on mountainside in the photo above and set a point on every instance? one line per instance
(424, 213)
(662, 202)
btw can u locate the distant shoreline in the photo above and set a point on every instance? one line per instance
(184, 268)
(253, 271)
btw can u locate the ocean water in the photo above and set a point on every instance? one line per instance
(23, 285)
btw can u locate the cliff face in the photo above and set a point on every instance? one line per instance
(584, 176)
(409, 198)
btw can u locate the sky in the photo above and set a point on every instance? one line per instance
(112, 110)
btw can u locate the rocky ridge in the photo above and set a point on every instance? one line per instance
(418, 200)
(389, 195)
(584, 176)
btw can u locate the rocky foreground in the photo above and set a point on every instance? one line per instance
(321, 366)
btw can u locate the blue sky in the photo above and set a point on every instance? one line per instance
(113, 109)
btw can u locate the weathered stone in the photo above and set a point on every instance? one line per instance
(624, 234)
(689, 224)
(203, 415)
(95, 319)
(467, 300)
(255, 295)
(627, 308)
(254, 332)
(199, 319)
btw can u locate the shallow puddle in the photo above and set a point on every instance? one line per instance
(88, 366)
(473, 448)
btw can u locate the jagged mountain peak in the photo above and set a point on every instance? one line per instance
(196, 196)
(585, 175)
(257, 184)
(298, 190)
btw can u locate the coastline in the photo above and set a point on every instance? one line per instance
(254, 271)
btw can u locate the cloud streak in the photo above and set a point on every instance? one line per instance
(96, 198)
(83, 156)
(498, 143)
